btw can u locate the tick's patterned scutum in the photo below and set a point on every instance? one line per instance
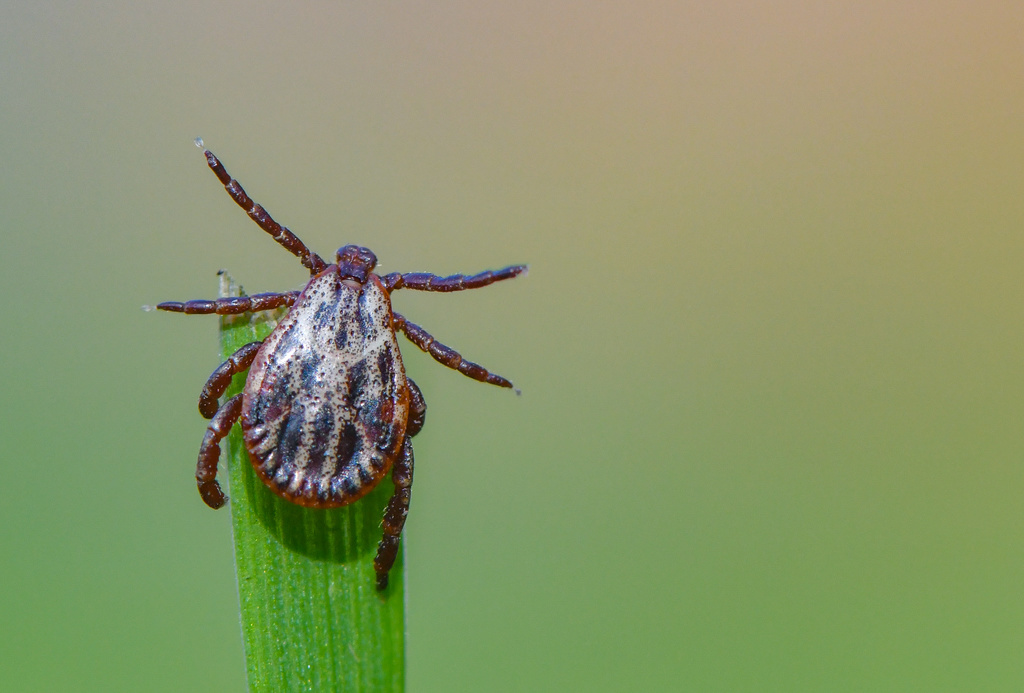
(326, 401)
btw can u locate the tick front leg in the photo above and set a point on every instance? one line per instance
(394, 515)
(446, 355)
(233, 305)
(220, 379)
(424, 281)
(209, 452)
(281, 234)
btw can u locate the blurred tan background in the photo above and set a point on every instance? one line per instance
(770, 343)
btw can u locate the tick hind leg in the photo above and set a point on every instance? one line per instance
(220, 379)
(209, 452)
(398, 506)
(446, 355)
(233, 305)
(281, 234)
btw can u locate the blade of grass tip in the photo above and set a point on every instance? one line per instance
(312, 618)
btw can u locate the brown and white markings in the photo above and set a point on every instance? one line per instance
(327, 410)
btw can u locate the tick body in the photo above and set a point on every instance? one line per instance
(326, 403)
(327, 410)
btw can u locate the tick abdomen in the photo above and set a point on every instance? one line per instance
(326, 401)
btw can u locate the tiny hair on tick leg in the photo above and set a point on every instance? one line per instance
(327, 410)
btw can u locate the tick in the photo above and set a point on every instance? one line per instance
(327, 410)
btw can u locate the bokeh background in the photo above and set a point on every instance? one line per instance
(770, 343)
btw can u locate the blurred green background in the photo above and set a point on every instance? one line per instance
(770, 343)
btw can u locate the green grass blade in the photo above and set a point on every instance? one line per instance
(312, 619)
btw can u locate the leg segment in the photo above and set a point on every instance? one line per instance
(423, 281)
(233, 305)
(446, 355)
(398, 506)
(417, 410)
(209, 452)
(220, 379)
(394, 515)
(282, 235)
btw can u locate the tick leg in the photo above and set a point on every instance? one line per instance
(218, 382)
(209, 452)
(398, 506)
(231, 306)
(446, 355)
(424, 281)
(417, 410)
(394, 515)
(282, 235)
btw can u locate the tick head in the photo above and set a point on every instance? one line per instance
(356, 262)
